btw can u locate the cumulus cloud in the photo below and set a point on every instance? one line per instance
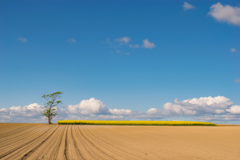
(235, 109)
(89, 106)
(233, 50)
(153, 111)
(203, 105)
(215, 109)
(225, 13)
(187, 6)
(120, 111)
(195, 108)
(93, 106)
(29, 111)
(24, 114)
(23, 40)
(217, 102)
(72, 109)
(176, 109)
(123, 40)
(71, 40)
(147, 44)
(237, 81)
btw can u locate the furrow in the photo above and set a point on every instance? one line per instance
(19, 152)
(9, 148)
(82, 146)
(78, 154)
(55, 152)
(107, 145)
(46, 149)
(61, 153)
(13, 130)
(33, 149)
(17, 136)
(95, 150)
(66, 143)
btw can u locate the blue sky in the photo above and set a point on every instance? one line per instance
(95, 49)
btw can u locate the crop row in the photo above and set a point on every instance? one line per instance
(111, 122)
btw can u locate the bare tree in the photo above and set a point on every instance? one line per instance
(52, 102)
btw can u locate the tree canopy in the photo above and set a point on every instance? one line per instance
(52, 102)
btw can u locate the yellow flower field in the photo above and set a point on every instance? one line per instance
(115, 122)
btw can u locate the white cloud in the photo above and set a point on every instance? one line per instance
(73, 109)
(147, 44)
(127, 53)
(120, 111)
(196, 108)
(71, 40)
(26, 113)
(93, 106)
(31, 110)
(118, 51)
(187, 6)
(123, 40)
(175, 109)
(237, 81)
(89, 106)
(23, 40)
(225, 13)
(203, 105)
(4, 111)
(235, 109)
(152, 111)
(214, 109)
(215, 102)
(233, 50)
(133, 46)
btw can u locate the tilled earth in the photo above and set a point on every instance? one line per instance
(69, 142)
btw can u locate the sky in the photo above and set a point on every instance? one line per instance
(121, 59)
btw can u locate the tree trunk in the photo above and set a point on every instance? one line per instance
(49, 117)
(49, 120)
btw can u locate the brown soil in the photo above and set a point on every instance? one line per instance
(62, 142)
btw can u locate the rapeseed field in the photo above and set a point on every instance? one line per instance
(120, 122)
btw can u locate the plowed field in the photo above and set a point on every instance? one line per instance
(41, 141)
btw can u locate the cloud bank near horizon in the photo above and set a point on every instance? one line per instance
(212, 109)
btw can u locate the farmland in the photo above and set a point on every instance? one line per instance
(65, 142)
